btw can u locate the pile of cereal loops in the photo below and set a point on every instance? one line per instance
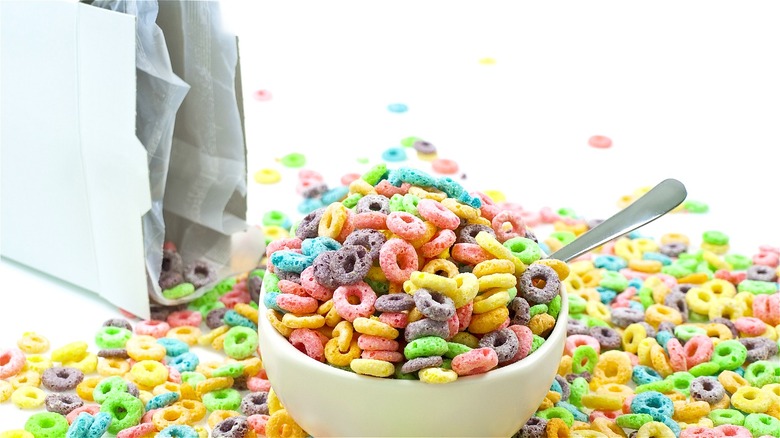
(410, 276)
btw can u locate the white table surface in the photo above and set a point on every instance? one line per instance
(688, 90)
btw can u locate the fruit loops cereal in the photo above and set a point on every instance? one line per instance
(408, 272)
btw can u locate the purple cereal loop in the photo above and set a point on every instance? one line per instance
(289, 276)
(322, 271)
(727, 322)
(624, 316)
(565, 387)
(314, 191)
(761, 273)
(424, 147)
(232, 427)
(63, 403)
(673, 249)
(759, 348)
(434, 305)
(419, 363)
(706, 388)
(254, 285)
(530, 235)
(132, 389)
(171, 262)
(255, 403)
(426, 327)
(676, 300)
(533, 428)
(373, 203)
(119, 353)
(169, 280)
(215, 317)
(572, 376)
(504, 342)
(649, 330)
(682, 287)
(608, 338)
(666, 326)
(539, 295)
(399, 302)
(118, 322)
(519, 311)
(576, 327)
(60, 379)
(468, 233)
(372, 240)
(200, 273)
(349, 264)
(240, 383)
(309, 225)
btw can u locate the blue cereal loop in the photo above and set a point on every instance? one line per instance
(289, 261)
(643, 375)
(394, 178)
(606, 295)
(80, 426)
(309, 204)
(415, 177)
(578, 414)
(173, 347)
(471, 201)
(318, 245)
(609, 262)
(397, 108)
(636, 306)
(335, 194)
(184, 362)
(162, 400)
(99, 425)
(394, 155)
(663, 338)
(233, 318)
(657, 256)
(676, 429)
(635, 283)
(653, 403)
(452, 188)
(178, 431)
(269, 300)
(556, 386)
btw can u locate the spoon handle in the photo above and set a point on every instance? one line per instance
(665, 196)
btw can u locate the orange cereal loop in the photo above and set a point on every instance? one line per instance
(545, 404)
(73, 352)
(487, 322)
(252, 366)
(334, 356)
(608, 427)
(557, 428)
(440, 267)
(247, 311)
(564, 367)
(185, 333)
(731, 381)
(553, 396)
(213, 384)
(658, 313)
(195, 409)
(541, 324)
(188, 392)
(25, 378)
(32, 343)
(493, 266)
(170, 416)
(275, 318)
(166, 387)
(724, 403)
(281, 424)
(695, 278)
(145, 347)
(690, 411)
(220, 415)
(660, 361)
(675, 395)
(675, 238)
(647, 266)
(719, 331)
(87, 387)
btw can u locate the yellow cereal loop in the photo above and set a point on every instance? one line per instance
(247, 311)
(608, 427)
(479, 221)
(149, 373)
(361, 186)
(613, 367)
(6, 389)
(430, 230)
(718, 331)
(429, 193)
(675, 238)
(699, 300)
(564, 367)
(586, 433)
(86, 388)
(487, 322)
(110, 366)
(275, 318)
(203, 433)
(336, 357)
(170, 416)
(731, 381)
(654, 429)
(658, 313)
(16, 433)
(219, 342)
(560, 267)
(86, 365)
(496, 281)
(573, 283)
(695, 278)
(73, 352)
(717, 249)
(267, 176)
(213, 384)
(579, 267)
(632, 336)
(658, 287)
(167, 387)
(466, 339)
(598, 310)
(293, 321)
(588, 294)
(489, 243)
(660, 361)
(274, 404)
(252, 366)
(493, 266)
(38, 363)
(196, 410)
(415, 315)
(643, 350)
(545, 404)
(553, 244)
(144, 347)
(207, 338)
(281, 425)
(375, 273)
(185, 333)
(434, 282)
(275, 232)
(616, 389)
(372, 367)
(374, 327)
(690, 411)
(715, 262)
(461, 210)
(745, 300)
(440, 267)
(541, 324)
(332, 220)
(490, 300)
(728, 308)
(25, 378)
(724, 403)
(208, 367)
(332, 317)
(751, 400)
(468, 288)
(648, 266)
(601, 401)
(32, 343)
(591, 279)
(627, 249)
(410, 288)
(28, 397)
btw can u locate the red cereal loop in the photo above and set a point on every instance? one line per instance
(676, 355)
(397, 320)
(469, 253)
(452, 324)
(387, 190)
(437, 214)
(371, 342)
(600, 142)
(257, 384)
(374, 220)
(185, 317)
(297, 304)
(280, 244)
(308, 341)
(444, 166)
(464, 314)
(488, 208)
(90, 409)
(405, 225)
(698, 350)
(440, 241)
(348, 178)
(313, 288)
(291, 287)
(475, 361)
(12, 361)
(308, 174)
(398, 260)
(387, 356)
(750, 326)
(234, 297)
(257, 422)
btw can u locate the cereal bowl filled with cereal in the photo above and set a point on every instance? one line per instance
(411, 308)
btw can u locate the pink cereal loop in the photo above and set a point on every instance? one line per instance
(525, 339)
(609, 415)
(348, 227)
(385, 355)
(374, 220)
(464, 313)
(677, 357)
(750, 326)
(439, 243)
(770, 259)
(185, 317)
(364, 308)
(452, 324)
(280, 244)
(308, 341)
(444, 166)
(731, 430)
(137, 431)
(508, 224)
(90, 409)
(397, 320)
(348, 178)
(698, 350)
(387, 190)
(257, 384)
(475, 361)
(152, 327)
(370, 342)
(234, 297)
(697, 432)
(398, 260)
(574, 341)
(308, 174)
(297, 304)
(437, 214)
(634, 358)
(548, 216)
(257, 422)
(313, 288)
(531, 218)
(631, 274)
(469, 253)
(174, 375)
(627, 403)
(148, 416)
(489, 208)
(405, 225)
(12, 361)
(767, 308)
(291, 287)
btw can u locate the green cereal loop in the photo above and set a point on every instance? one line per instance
(408, 142)
(110, 337)
(410, 203)
(256, 273)
(715, 238)
(727, 416)
(729, 355)
(681, 381)
(595, 322)
(47, 425)
(227, 284)
(426, 346)
(577, 304)
(396, 203)
(676, 270)
(567, 212)
(512, 291)
(235, 319)
(362, 160)
(686, 332)
(738, 262)
(275, 218)
(270, 283)
(696, 206)
(125, 411)
(401, 375)
(207, 298)
(455, 349)
(614, 281)
(294, 159)
(760, 373)
(192, 377)
(704, 369)
(554, 307)
(180, 291)
(662, 386)
(208, 307)
(222, 399)
(579, 387)
(351, 200)
(633, 421)
(375, 174)
(762, 424)
(697, 317)
(446, 363)
(584, 358)
(254, 305)
(757, 287)
(240, 342)
(524, 249)
(379, 287)
(557, 412)
(108, 386)
(538, 309)
(565, 237)
(646, 297)
(229, 370)
(704, 267)
(581, 317)
(536, 342)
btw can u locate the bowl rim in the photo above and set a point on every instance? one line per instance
(534, 357)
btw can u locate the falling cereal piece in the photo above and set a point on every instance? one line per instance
(445, 166)
(262, 95)
(267, 176)
(394, 154)
(495, 195)
(362, 160)
(397, 108)
(426, 157)
(293, 160)
(409, 141)
(348, 178)
(487, 61)
(600, 142)
(692, 206)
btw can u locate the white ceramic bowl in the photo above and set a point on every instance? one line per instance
(329, 402)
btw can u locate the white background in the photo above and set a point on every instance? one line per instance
(688, 90)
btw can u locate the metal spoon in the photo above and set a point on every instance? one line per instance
(665, 196)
